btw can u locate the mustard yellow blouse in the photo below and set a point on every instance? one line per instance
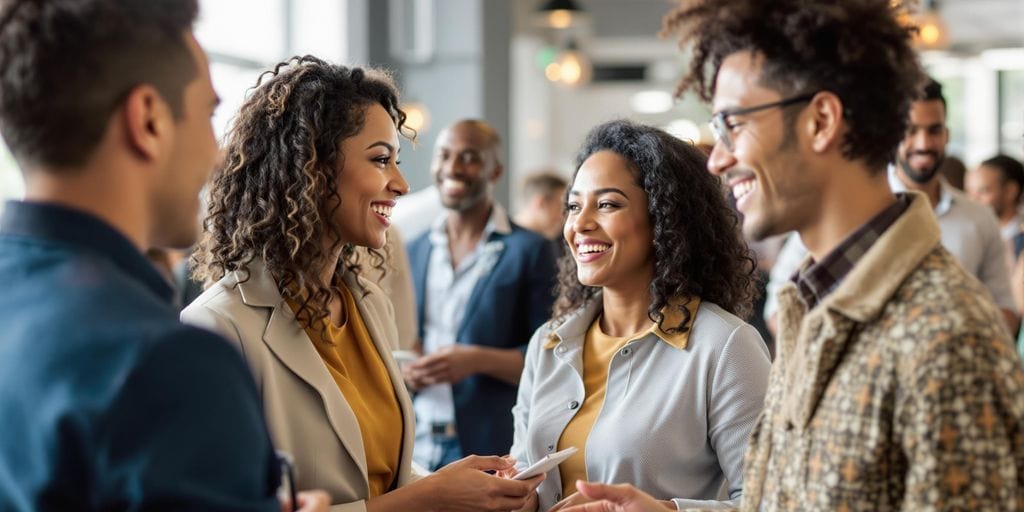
(353, 361)
(598, 350)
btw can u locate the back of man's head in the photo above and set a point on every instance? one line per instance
(932, 91)
(856, 49)
(545, 184)
(1010, 170)
(66, 65)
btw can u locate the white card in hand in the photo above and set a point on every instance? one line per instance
(549, 462)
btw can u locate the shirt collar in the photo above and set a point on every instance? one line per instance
(497, 222)
(815, 280)
(679, 339)
(946, 195)
(77, 228)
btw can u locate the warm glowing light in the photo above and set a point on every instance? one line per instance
(553, 71)
(572, 71)
(931, 31)
(560, 18)
(574, 68)
(416, 116)
(930, 34)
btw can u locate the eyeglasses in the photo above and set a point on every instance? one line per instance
(720, 125)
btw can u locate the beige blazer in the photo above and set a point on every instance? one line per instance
(306, 412)
(397, 284)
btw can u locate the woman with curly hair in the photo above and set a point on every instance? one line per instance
(310, 173)
(647, 367)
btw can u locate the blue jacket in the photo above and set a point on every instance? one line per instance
(107, 402)
(506, 306)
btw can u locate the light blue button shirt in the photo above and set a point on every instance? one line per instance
(447, 292)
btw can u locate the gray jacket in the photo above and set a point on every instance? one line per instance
(677, 413)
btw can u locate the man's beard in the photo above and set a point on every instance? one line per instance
(922, 176)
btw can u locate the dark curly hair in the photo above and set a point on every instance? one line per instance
(274, 194)
(857, 49)
(698, 250)
(67, 65)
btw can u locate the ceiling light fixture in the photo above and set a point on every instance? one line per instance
(559, 14)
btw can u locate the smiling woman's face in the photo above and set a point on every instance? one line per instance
(369, 181)
(607, 225)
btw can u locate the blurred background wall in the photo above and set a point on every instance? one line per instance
(544, 79)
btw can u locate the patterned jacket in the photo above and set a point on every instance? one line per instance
(901, 390)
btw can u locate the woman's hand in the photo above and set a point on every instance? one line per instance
(464, 486)
(615, 498)
(572, 500)
(309, 501)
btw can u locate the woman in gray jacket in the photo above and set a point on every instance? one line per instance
(647, 367)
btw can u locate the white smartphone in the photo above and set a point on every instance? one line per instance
(549, 462)
(404, 356)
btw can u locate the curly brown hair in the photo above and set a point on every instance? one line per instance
(698, 249)
(274, 194)
(857, 49)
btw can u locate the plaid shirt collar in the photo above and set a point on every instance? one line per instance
(815, 280)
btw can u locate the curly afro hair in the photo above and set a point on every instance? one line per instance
(698, 249)
(857, 49)
(275, 192)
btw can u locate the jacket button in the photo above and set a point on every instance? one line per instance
(626, 352)
(574, 404)
(560, 349)
(551, 447)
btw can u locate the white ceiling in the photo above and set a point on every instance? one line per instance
(974, 25)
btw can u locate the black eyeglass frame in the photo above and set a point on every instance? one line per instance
(720, 125)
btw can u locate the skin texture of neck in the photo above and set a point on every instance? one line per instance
(625, 307)
(853, 197)
(468, 224)
(112, 190)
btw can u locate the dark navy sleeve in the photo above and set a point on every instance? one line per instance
(186, 432)
(540, 290)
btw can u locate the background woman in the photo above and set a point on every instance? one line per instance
(646, 367)
(310, 172)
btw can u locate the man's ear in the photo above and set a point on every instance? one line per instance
(499, 169)
(825, 122)
(147, 121)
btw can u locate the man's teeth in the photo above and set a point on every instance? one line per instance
(592, 248)
(743, 188)
(453, 185)
(382, 210)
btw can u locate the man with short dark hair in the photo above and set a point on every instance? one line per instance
(998, 183)
(483, 285)
(108, 402)
(543, 205)
(968, 229)
(895, 385)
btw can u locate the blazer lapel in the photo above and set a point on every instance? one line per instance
(494, 249)
(289, 343)
(420, 262)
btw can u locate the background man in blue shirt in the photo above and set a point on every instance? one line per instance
(106, 401)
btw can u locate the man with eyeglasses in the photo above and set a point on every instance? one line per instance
(895, 385)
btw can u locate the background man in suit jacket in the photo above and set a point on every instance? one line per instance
(107, 401)
(483, 285)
